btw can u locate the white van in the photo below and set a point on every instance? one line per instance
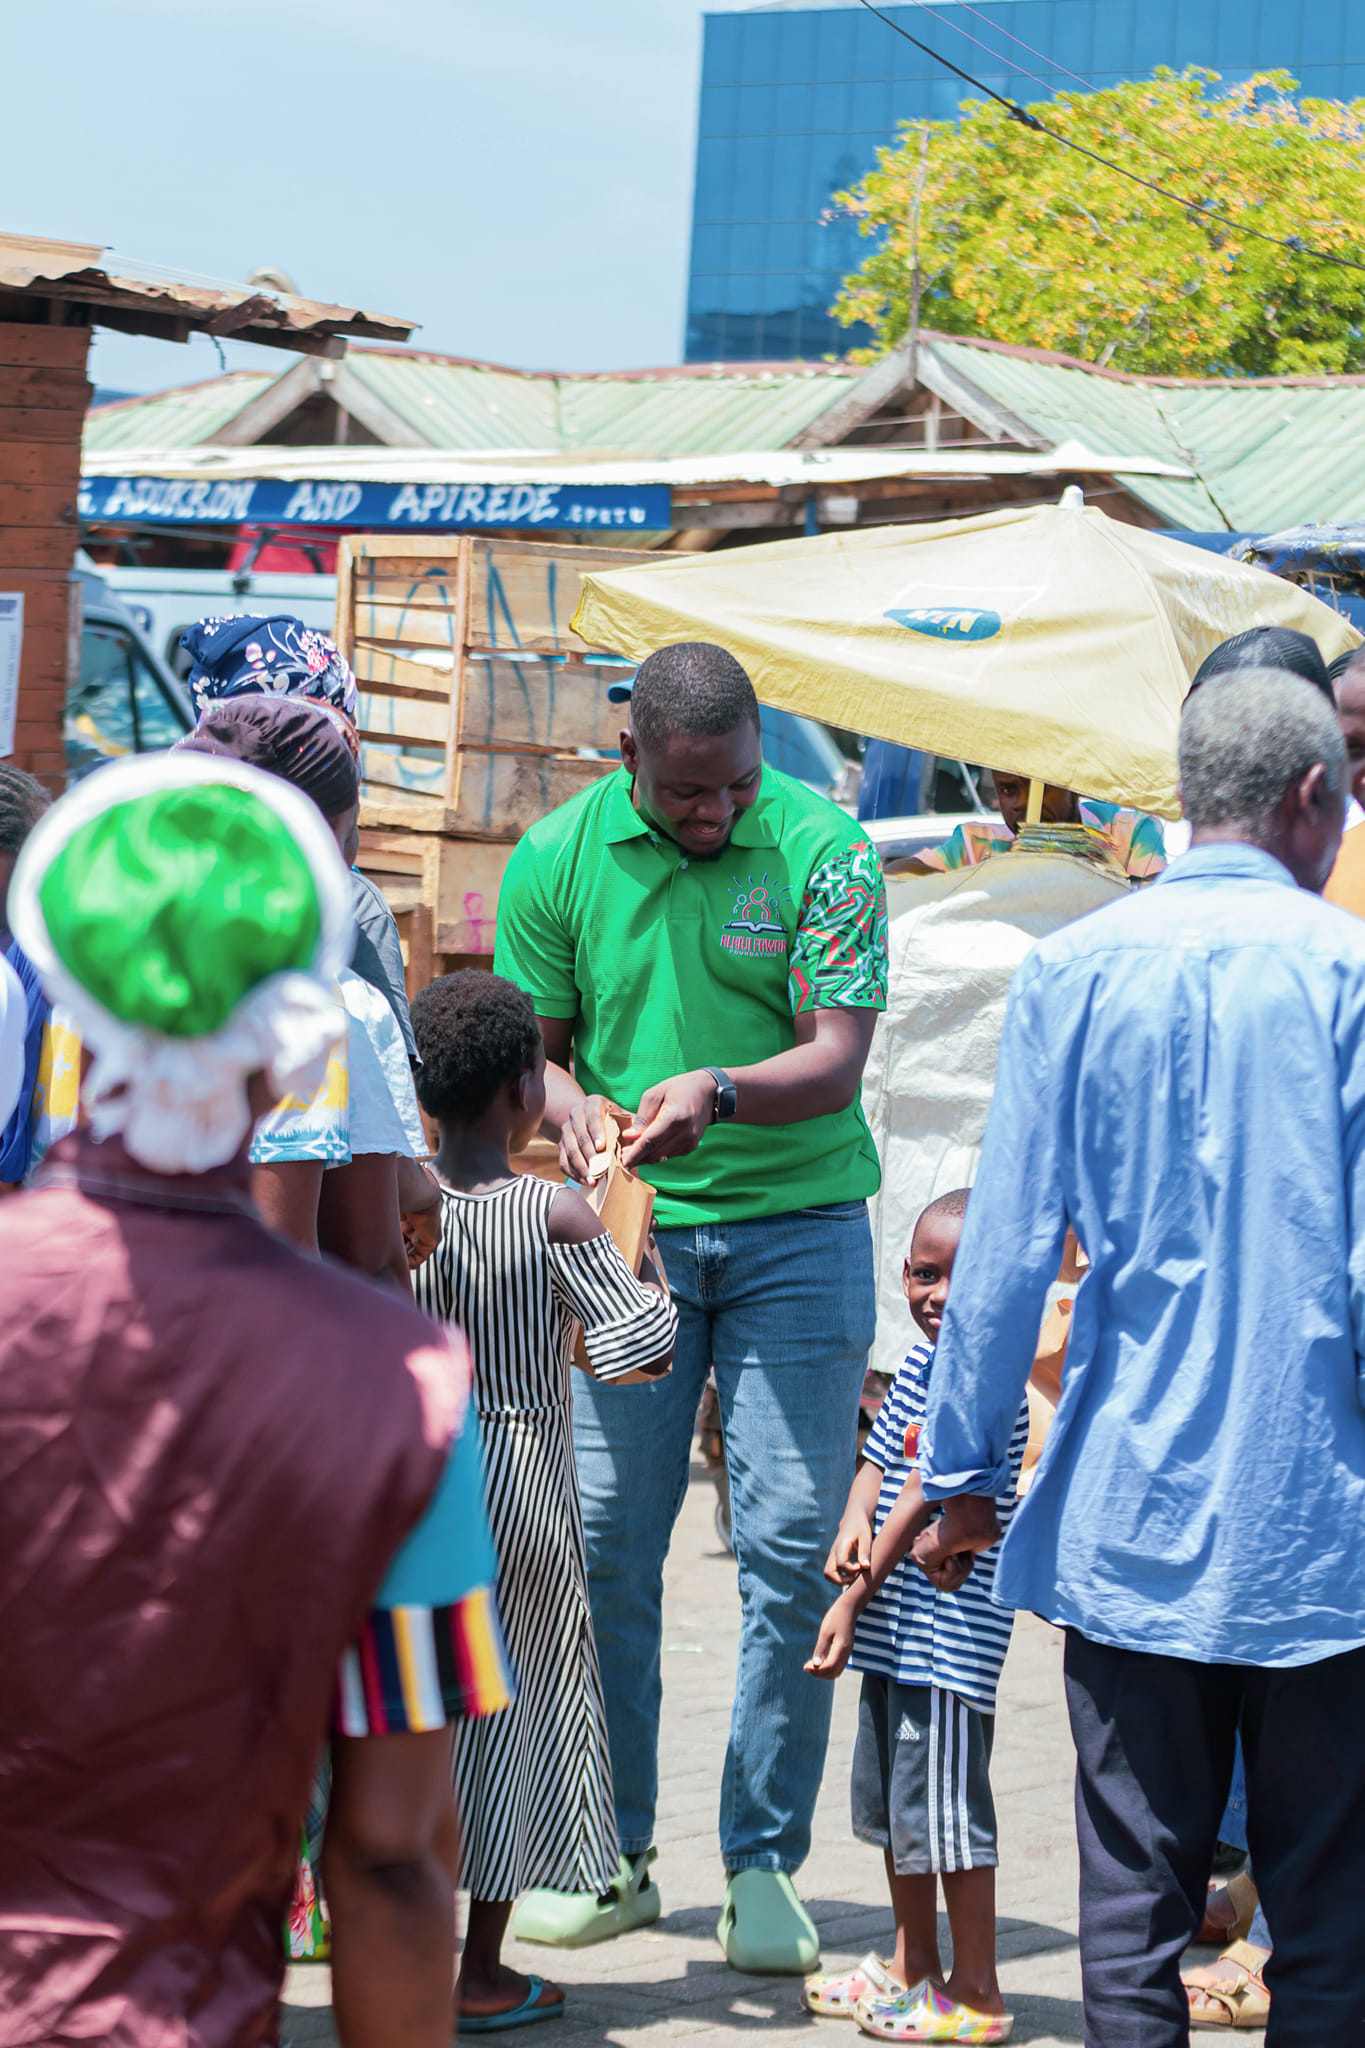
(167, 602)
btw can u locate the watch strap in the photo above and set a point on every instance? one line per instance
(727, 1095)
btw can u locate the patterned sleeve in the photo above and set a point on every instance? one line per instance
(838, 957)
(431, 1650)
(319, 1128)
(412, 1669)
(625, 1325)
(1147, 848)
(966, 846)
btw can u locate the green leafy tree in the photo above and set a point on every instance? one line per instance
(1023, 240)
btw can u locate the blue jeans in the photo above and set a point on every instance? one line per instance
(782, 1309)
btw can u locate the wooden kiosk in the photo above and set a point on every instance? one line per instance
(479, 712)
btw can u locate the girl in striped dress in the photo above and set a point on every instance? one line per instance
(522, 1263)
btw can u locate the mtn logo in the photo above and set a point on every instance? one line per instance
(948, 622)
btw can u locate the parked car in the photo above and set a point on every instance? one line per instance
(125, 699)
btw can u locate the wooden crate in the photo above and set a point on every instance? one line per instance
(442, 891)
(479, 708)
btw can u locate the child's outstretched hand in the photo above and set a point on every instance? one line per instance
(834, 1642)
(851, 1551)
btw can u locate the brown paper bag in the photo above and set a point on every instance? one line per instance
(625, 1204)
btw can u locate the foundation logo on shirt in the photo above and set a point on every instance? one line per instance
(755, 925)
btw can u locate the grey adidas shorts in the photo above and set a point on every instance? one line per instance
(921, 1778)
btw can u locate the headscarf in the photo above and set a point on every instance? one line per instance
(192, 914)
(1281, 647)
(272, 655)
(283, 736)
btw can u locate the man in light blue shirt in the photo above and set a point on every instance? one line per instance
(1182, 1080)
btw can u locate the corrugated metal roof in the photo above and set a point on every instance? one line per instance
(1267, 453)
(173, 419)
(150, 294)
(469, 405)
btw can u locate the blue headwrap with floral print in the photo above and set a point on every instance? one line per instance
(254, 655)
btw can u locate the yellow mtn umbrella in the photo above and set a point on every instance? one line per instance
(1053, 642)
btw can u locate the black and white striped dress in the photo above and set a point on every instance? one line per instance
(535, 1780)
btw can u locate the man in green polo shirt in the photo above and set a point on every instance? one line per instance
(707, 939)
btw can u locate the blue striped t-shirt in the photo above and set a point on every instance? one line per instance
(909, 1630)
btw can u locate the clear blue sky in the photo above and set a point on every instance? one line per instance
(516, 175)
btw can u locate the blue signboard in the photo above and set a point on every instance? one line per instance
(431, 508)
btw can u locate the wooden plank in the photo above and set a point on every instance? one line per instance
(415, 720)
(343, 623)
(454, 765)
(393, 853)
(387, 669)
(499, 794)
(403, 625)
(524, 596)
(40, 423)
(47, 385)
(471, 873)
(24, 504)
(42, 462)
(37, 547)
(384, 808)
(364, 547)
(46, 599)
(61, 347)
(429, 587)
(539, 704)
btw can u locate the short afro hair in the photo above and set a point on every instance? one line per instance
(694, 688)
(951, 1207)
(474, 1032)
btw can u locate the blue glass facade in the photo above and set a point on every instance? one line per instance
(795, 102)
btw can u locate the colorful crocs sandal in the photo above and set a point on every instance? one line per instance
(837, 1998)
(927, 2013)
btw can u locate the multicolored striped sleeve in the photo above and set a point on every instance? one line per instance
(414, 1669)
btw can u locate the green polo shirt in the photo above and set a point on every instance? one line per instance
(667, 962)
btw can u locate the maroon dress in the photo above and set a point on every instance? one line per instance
(210, 1447)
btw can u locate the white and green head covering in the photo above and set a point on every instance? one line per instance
(192, 913)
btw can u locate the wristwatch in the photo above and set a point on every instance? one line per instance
(727, 1095)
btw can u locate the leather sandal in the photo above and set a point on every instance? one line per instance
(1230, 1992)
(1228, 1911)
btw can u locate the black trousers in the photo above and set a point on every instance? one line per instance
(1154, 1746)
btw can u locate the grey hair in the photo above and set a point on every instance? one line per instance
(1246, 736)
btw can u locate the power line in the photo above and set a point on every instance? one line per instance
(1011, 37)
(1294, 243)
(1086, 84)
(1004, 57)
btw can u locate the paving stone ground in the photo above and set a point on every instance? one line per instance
(672, 1980)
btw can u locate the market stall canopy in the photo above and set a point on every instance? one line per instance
(1051, 641)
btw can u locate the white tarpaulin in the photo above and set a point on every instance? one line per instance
(956, 941)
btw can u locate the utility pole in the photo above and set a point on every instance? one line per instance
(917, 193)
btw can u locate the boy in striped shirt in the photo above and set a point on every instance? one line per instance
(931, 1662)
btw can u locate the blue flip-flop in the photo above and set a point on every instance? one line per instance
(524, 2015)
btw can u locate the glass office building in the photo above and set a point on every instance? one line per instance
(795, 101)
